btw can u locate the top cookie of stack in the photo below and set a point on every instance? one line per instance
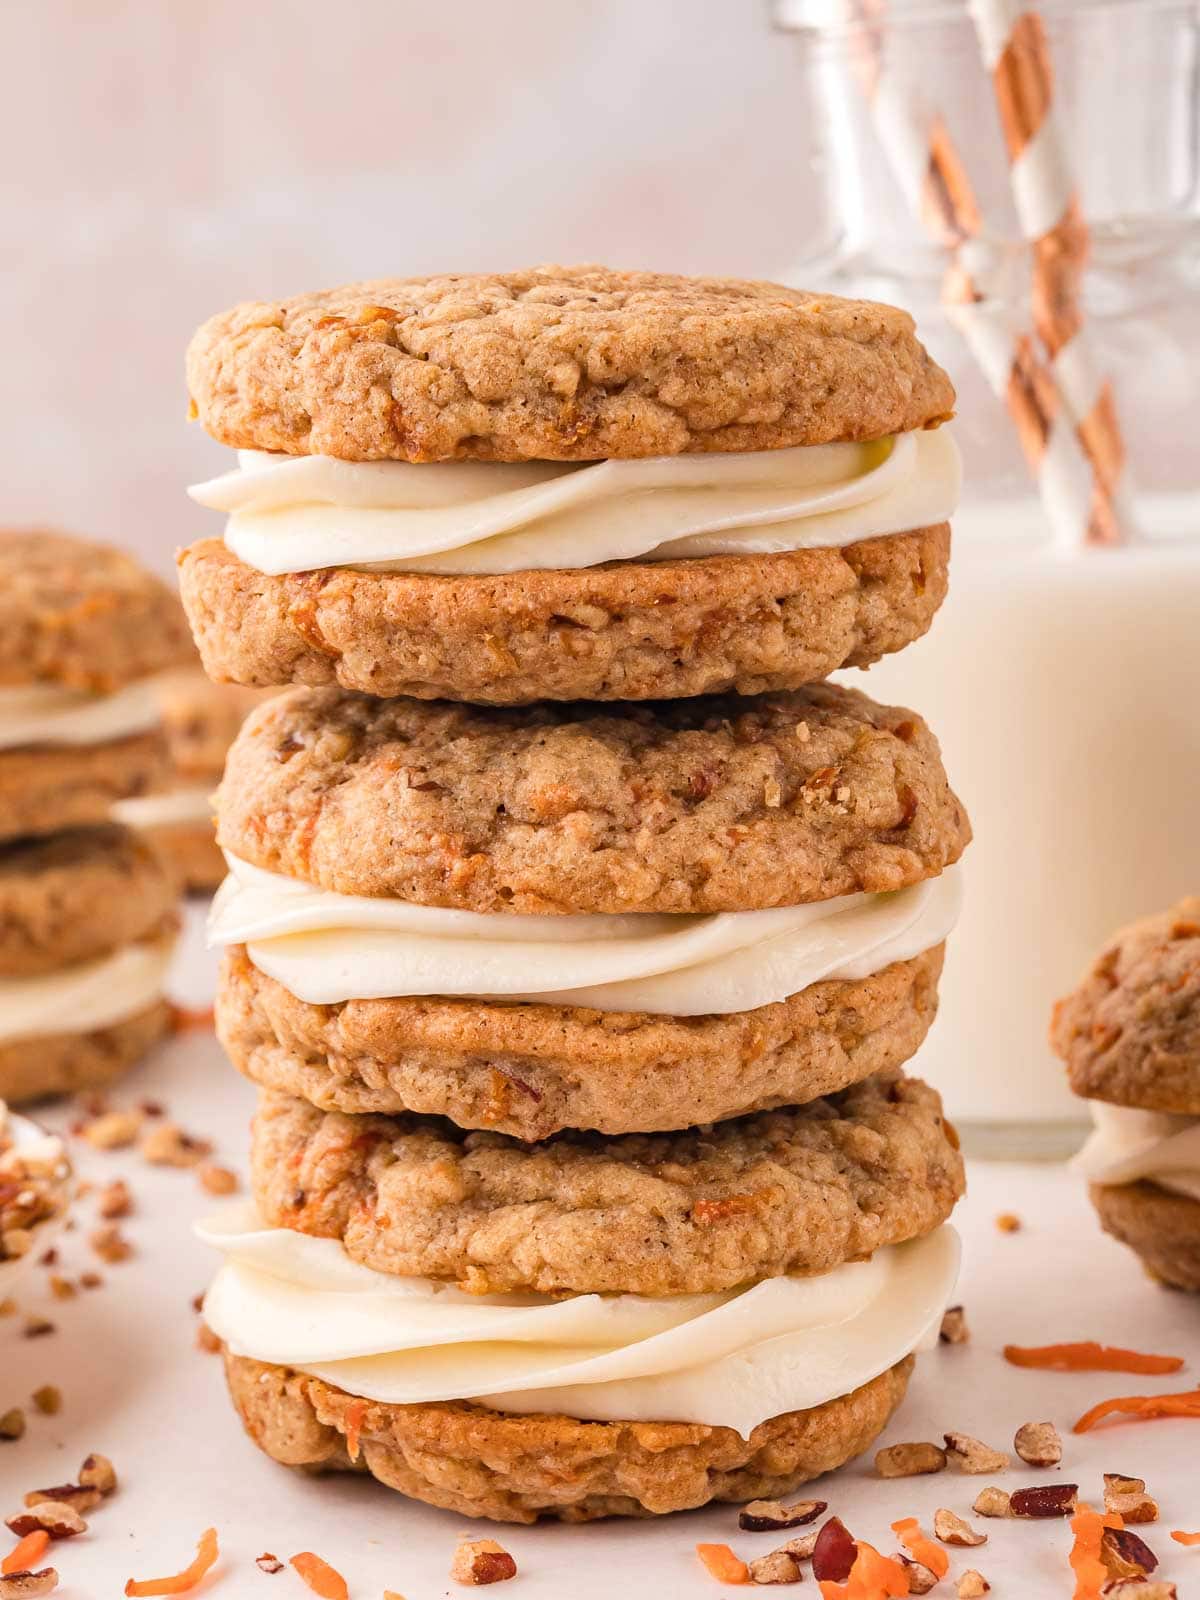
(650, 487)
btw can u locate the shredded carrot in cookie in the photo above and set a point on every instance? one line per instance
(1088, 1356)
(872, 1577)
(1143, 1406)
(723, 1564)
(320, 1576)
(26, 1552)
(354, 1421)
(1090, 1572)
(1185, 1538)
(921, 1549)
(181, 1582)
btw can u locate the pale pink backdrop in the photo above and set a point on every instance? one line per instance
(164, 159)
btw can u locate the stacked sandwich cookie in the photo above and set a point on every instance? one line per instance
(1130, 1037)
(87, 911)
(576, 933)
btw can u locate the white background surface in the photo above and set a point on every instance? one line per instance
(136, 1388)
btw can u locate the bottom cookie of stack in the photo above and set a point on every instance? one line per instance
(652, 1322)
(1130, 1036)
(87, 928)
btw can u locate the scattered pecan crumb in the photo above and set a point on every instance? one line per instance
(47, 1400)
(1008, 1222)
(37, 1328)
(952, 1529)
(170, 1146)
(114, 1200)
(55, 1517)
(114, 1130)
(217, 1180)
(21, 1585)
(954, 1328)
(1038, 1444)
(768, 1516)
(268, 1563)
(90, 1280)
(781, 1566)
(972, 1584)
(909, 1460)
(1128, 1498)
(972, 1455)
(12, 1423)
(992, 1502)
(151, 1108)
(1125, 1555)
(834, 1551)
(98, 1472)
(70, 1494)
(1046, 1500)
(62, 1288)
(479, 1561)
(1139, 1589)
(110, 1244)
(920, 1579)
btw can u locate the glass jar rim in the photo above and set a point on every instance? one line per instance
(832, 16)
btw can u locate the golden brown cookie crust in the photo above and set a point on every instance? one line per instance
(515, 1468)
(61, 1063)
(1130, 1033)
(625, 631)
(77, 895)
(1160, 1227)
(192, 853)
(558, 363)
(685, 806)
(799, 1190)
(532, 1070)
(83, 615)
(48, 787)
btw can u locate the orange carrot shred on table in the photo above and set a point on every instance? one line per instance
(723, 1565)
(872, 1577)
(1144, 1406)
(354, 1421)
(320, 1576)
(920, 1548)
(180, 1582)
(25, 1552)
(1185, 1538)
(1088, 1356)
(1088, 1528)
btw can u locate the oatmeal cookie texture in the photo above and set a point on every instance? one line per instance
(725, 804)
(82, 615)
(627, 630)
(559, 363)
(1160, 1227)
(512, 1467)
(50, 787)
(1130, 1033)
(799, 1190)
(54, 1064)
(533, 1070)
(76, 895)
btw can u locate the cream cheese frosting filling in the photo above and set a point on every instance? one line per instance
(725, 1360)
(170, 808)
(1129, 1146)
(92, 994)
(48, 714)
(326, 948)
(303, 513)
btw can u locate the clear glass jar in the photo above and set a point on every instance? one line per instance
(1063, 680)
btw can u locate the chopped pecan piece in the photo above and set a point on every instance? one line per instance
(47, 1400)
(170, 1146)
(780, 1566)
(22, 1585)
(768, 1516)
(114, 1130)
(69, 1494)
(97, 1472)
(114, 1200)
(972, 1455)
(1139, 1589)
(1128, 1498)
(268, 1563)
(992, 1502)
(1046, 1500)
(972, 1584)
(954, 1328)
(909, 1460)
(1008, 1222)
(1125, 1555)
(217, 1180)
(1038, 1444)
(110, 1244)
(12, 1423)
(834, 1552)
(950, 1528)
(479, 1561)
(920, 1579)
(55, 1517)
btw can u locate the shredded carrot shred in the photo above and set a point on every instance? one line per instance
(872, 1577)
(1144, 1406)
(1090, 1572)
(181, 1582)
(320, 1576)
(1185, 1538)
(25, 1552)
(1088, 1356)
(723, 1564)
(192, 1019)
(354, 1421)
(920, 1548)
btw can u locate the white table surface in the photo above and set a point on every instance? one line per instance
(136, 1388)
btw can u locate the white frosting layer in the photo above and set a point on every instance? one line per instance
(299, 513)
(325, 947)
(1129, 1145)
(46, 713)
(166, 809)
(728, 1360)
(93, 994)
